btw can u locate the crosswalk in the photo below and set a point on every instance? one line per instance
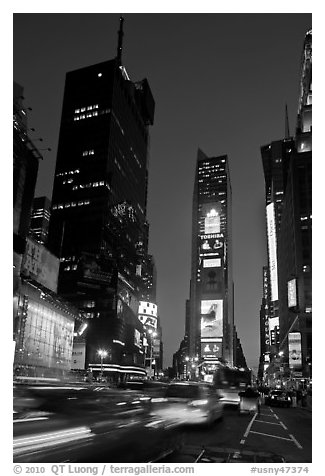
(267, 424)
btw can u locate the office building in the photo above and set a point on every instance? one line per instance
(98, 225)
(211, 320)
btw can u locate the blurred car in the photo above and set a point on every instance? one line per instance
(278, 398)
(188, 403)
(250, 401)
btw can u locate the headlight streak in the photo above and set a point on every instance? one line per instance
(44, 440)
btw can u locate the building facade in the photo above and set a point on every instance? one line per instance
(289, 229)
(211, 314)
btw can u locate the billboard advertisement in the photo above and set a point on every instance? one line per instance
(211, 214)
(212, 318)
(212, 244)
(146, 307)
(148, 320)
(211, 349)
(212, 263)
(39, 264)
(147, 313)
(78, 356)
(294, 341)
(292, 293)
(271, 236)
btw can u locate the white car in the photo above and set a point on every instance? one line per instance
(188, 403)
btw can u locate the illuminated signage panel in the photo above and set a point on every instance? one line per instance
(211, 214)
(212, 263)
(212, 318)
(148, 308)
(78, 356)
(137, 338)
(39, 264)
(292, 293)
(211, 349)
(294, 340)
(148, 320)
(271, 235)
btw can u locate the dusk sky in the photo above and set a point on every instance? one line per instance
(220, 83)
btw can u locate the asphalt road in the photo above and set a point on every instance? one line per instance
(286, 432)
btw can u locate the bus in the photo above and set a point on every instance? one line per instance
(229, 381)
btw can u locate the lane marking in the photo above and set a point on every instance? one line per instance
(249, 425)
(272, 436)
(269, 422)
(283, 425)
(296, 442)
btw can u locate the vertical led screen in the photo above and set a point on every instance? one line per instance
(294, 340)
(292, 293)
(271, 236)
(211, 318)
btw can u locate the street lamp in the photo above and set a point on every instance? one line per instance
(102, 354)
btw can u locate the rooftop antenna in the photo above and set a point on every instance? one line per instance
(120, 41)
(287, 131)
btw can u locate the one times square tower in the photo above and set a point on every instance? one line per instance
(99, 204)
(211, 323)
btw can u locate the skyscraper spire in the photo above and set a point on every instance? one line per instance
(120, 41)
(287, 131)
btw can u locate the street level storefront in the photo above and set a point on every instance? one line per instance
(43, 333)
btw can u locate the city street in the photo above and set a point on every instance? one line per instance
(284, 432)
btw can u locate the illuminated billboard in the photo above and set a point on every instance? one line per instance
(148, 308)
(271, 236)
(39, 264)
(211, 349)
(212, 245)
(147, 313)
(78, 356)
(211, 214)
(292, 292)
(212, 263)
(294, 341)
(137, 338)
(211, 318)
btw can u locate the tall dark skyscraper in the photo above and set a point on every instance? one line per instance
(211, 320)
(98, 226)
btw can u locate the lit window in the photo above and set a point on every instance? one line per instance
(85, 152)
(82, 109)
(60, 206)
(73, 204)
(89, 108)
(77, 111)
(99, 75)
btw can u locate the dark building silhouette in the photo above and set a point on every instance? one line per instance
(211, 320)
(98, 225)
(40, 219)
(239, 357)
(25, 161)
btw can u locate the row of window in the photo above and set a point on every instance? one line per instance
(69, 172)
(86, 108)
(89, 185)
(88, 152)
(71, 204)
